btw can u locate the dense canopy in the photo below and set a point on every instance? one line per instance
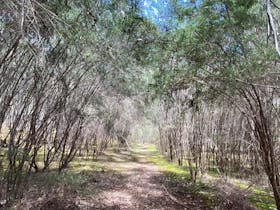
(199, 79)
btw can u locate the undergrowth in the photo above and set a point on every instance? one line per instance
(258, 196)
(172, 171)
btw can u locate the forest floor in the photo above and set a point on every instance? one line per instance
(123, 179)
(136, 184)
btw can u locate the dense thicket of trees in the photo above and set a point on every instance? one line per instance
(59, 60)
(220, 86)
(76, 75)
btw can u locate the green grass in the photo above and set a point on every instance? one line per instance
(50, 179)
(81, 164)
(258, 196)
(262, 199)
(165, 165)
(77, 174)
(172, 171)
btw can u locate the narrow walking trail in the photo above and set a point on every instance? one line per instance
(122, 180)
(134, 183)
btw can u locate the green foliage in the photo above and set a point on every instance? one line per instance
(216, 44)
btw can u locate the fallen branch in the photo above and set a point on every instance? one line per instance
(173, 198)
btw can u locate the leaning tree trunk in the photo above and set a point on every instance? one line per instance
(260, 114)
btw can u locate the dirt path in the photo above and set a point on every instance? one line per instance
(135, 184)
(123, 180)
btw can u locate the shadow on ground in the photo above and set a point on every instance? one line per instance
(120, 179)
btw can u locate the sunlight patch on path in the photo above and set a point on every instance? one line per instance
(135, 185)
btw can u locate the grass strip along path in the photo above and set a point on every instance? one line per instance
(123, 179)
